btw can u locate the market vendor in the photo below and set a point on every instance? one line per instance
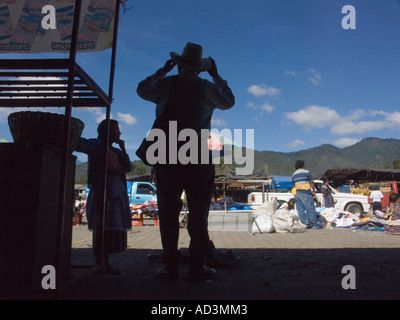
(327, 193)
(393, 209)
(305, 192)
(376, 197)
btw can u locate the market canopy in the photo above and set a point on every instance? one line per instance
(340, 176)
(259, 175)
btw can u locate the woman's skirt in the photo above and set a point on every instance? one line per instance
(117, 218)
(114, 241)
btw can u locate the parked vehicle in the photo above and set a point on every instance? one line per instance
(353, 203)
(140, 191)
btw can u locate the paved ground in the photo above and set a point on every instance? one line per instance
(268, 267)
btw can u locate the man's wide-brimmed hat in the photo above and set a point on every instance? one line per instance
(192, 58)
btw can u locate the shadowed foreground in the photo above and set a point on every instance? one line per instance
(267, 267)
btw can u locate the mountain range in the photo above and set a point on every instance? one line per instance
(369, 153)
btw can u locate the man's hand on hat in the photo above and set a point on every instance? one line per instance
(169, 65)
(213, 71)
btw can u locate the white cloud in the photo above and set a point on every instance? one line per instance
(98, 113)
(218, 123)
(262, 90)
(315, 77)
(126, 118)
(356, 122)
(357, 114)
(346, 142)
(393, 118)
(290, 73)
(314, 117)
(266, 106)
(346, 127)
(295, 144)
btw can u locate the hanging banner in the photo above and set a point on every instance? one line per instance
(31, 26)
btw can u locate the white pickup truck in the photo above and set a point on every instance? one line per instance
(353, 203)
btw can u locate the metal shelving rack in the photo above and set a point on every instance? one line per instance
(59, 83)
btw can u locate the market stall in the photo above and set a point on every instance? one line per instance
(48, 83)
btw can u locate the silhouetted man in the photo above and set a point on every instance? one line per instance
(190, 101)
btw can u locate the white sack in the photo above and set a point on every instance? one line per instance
(268, 208)
(284, 221)
(264, 224)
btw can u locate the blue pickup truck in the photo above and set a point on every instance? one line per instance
(139, 192)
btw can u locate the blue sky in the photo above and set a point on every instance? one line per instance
(300, 80)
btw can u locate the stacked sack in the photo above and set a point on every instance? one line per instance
(268, 219)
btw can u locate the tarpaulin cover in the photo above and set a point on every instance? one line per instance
(230, 174)
(340, 176)
(282, 182)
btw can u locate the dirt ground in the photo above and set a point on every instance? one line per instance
(277, 266)
(267, 267)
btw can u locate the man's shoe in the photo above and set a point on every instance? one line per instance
(203, 275)
(168, 275)
(107, 269)
(317, 226)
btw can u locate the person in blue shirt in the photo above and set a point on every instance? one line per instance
(305, 192)
(191, 102)
(118, 219)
